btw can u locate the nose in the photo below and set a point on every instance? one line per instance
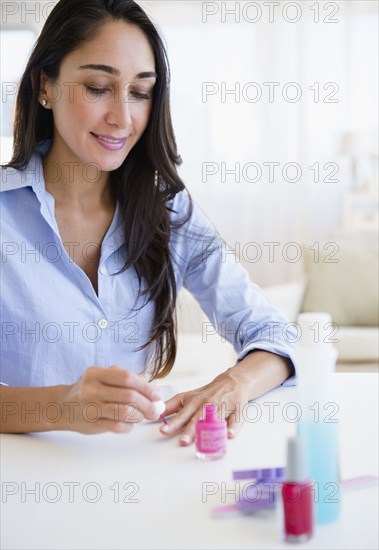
(120, 112)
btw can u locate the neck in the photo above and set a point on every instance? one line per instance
(75, 185)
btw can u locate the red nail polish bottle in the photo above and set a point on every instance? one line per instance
(297, 494)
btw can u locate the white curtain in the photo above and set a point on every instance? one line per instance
(334, 67)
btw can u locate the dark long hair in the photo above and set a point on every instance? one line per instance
(145, 182)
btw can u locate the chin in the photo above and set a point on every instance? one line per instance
(109, 161)
(102, 164)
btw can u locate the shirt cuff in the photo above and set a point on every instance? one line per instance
(291, 381)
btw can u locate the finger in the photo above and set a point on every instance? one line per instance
(104, 425)
(126, 402)
(124, 396)
(174, 404)
(126, 413)
(234, 425)
(178, 421)
(187, 437)
(118, 376)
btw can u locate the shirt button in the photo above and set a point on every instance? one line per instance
(103, 323)
(103, 270)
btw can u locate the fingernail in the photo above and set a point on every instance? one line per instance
(165, 428)
(231, 433)
(184, 439)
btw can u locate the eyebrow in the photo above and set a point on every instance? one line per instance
(113, 71)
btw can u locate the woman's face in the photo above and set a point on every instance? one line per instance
(102, 99)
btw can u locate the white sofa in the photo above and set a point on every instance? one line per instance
(201, 351)
(354, 344)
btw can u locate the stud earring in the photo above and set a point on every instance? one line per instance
(44, 102)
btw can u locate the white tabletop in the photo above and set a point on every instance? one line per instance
(162, 500)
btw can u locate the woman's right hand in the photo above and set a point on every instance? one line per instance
(108, 399)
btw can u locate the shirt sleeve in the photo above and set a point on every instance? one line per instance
(236, 307)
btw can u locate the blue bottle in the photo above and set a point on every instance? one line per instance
(315, 365)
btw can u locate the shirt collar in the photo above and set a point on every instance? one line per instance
(32, 175)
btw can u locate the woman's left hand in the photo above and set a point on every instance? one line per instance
(259, 372)
(226, 391)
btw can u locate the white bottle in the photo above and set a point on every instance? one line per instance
(315, 365)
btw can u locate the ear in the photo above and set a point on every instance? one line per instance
(43, 87)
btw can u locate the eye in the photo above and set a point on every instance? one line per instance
(96, 91)
(140, 95)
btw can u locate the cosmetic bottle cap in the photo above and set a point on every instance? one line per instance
(296, 460)
(211, 412)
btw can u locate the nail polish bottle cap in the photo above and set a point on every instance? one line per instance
(211, 413)
(296, 460)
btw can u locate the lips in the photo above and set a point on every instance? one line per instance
(109, 139)
(111, 143)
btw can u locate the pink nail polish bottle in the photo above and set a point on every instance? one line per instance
(211, 435)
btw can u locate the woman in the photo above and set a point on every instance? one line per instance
(99, 234)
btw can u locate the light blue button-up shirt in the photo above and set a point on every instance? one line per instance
(54, 325)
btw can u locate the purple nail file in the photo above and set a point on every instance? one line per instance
(258, 495)
(255, 496)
